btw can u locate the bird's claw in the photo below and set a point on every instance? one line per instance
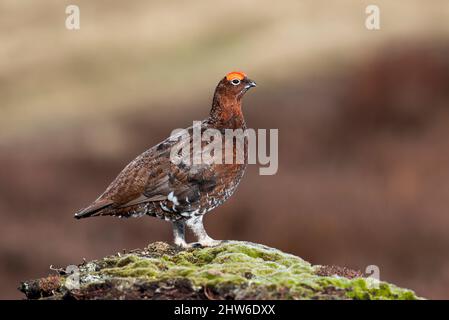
(209, 243)
(201, 244)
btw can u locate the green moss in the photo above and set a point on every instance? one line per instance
(368, 289)
(249, 269)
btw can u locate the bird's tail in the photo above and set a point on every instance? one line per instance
(95, 209)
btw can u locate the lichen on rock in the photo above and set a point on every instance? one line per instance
(232, 270)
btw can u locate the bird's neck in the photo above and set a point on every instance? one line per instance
(226, 112)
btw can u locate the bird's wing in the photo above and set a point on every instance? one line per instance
(153, 177)
(128, 187)
(179, 184)
(94, 208)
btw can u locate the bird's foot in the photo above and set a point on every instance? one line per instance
(181, 243)
(186, 245)
(209, 242)
(196, 225)
(194, 245)
(200, 244)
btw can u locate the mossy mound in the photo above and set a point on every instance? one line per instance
(233, 270)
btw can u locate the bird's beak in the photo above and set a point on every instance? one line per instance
(250, 84)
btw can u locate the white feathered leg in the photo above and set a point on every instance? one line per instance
(196, 225)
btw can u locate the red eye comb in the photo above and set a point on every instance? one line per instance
(235, 75)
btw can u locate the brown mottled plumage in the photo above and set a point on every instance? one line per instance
(153, 185)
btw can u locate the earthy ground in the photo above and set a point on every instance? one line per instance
(233, 270)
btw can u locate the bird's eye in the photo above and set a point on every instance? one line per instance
(235, 82)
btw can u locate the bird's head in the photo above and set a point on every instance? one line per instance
(226, 104)
(234, 85)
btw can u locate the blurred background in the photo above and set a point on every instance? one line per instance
(363, 119)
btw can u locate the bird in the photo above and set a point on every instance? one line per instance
(181, 193)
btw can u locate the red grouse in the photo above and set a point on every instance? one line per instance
(154, 185)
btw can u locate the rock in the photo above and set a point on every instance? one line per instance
(232, 270)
